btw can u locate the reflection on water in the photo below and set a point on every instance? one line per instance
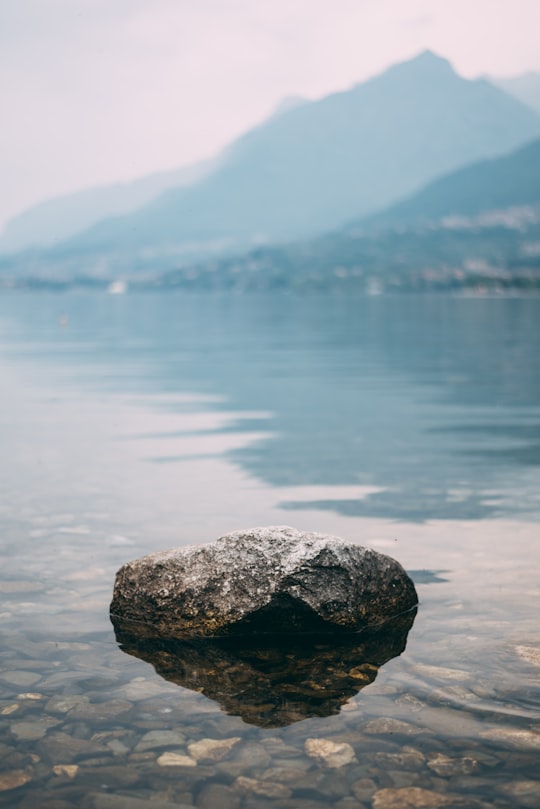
(408, 425)
(275, 681)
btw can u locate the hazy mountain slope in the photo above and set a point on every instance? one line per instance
(499, 183)
(525, 88)
(60, 218)
(447, 236)
(322, 163)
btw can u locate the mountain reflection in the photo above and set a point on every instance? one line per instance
(271, 681)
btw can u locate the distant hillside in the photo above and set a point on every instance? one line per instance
(317, 165)
(526, 88)
(500, 183)
(60, 218)
(477, 227)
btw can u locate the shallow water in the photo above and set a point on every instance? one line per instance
(134, 423)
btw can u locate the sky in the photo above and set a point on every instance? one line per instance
(99, 91)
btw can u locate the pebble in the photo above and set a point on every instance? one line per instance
(363, 788)
(63, 704)
(99, 711)
(212, 749)
(212, 796)
(267, 789)
(70, 770)
(515, 737)
(155, 739)
(410, 798)
(171, 759)
(446, 766)
(13, 779)
(60, 746)
(9, 709)
(409, 758)
(385, 725)
(529, 653)
(332, 754)
(20, 677)
(525, 793)
(32, 731)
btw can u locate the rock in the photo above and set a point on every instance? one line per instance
(264, 580)
(333, 754)
(70, 770)
(212, 749)
(155, 739)
(515, 737)
(32, 731)
(63, 704)
(524, 793)
(20, 677)
(171, 759)
(269, 683)
(13, 779)
(384, 725)
(267, 789)
(529, 653)
(446, 766)
(409, 759)
(218, 795)
(411, 798)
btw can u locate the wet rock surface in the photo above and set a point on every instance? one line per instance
(277, 681)
(263, 580)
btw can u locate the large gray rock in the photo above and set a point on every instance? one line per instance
(264, 580)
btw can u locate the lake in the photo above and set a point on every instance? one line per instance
(137, 422)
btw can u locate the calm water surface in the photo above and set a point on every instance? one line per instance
(134, 423)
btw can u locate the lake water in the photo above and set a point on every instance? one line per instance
(133, 423)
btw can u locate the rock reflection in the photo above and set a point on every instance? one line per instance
(271, 681)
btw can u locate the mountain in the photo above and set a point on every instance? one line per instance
(476, 227)
(60, 218)
(489, 185)
(315, 166)
(526, 88)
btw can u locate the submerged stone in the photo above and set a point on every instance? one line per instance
(261, 581)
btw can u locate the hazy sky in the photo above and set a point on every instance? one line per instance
(95, 91)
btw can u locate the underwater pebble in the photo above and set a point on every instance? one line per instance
(13, 779)
(62, 747)
(410, 798)
(525, 793)
(409, 759)
(70, 770)
(171, 759)
(32, 731)
(160, 738)
(530, 654)
(283, 774)
(9, 709)
(63, 704)
(445, 766)
(520, 739)
(363, 788)
(388, 725)
(99, 711)
(212, 749)
(333, 754)
(20, 677)
(218, 795)
(266, 789)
